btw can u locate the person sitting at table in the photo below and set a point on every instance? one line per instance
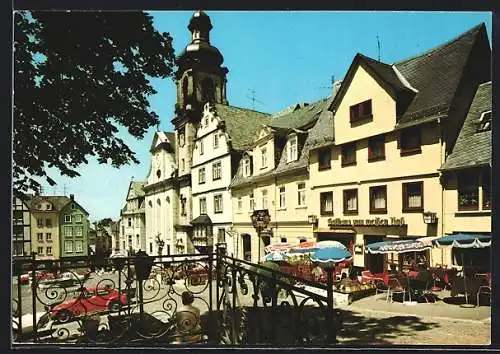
(423, 275)
(393, 269)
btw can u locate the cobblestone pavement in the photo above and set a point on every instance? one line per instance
(371, 327)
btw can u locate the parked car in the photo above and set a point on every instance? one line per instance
(43, 325)
(90, 300)
(40, 275)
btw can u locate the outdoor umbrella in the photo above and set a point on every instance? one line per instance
(302, 248)
(331, 255)
(281, 247)
(464, 240)
(400, 246)
(274, 256)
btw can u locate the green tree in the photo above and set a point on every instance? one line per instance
(78, 76)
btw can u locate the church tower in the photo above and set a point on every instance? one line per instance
(200, 78)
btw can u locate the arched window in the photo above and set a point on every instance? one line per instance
(208, 90)
(158, 201)
(185, 87)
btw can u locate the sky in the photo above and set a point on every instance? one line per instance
(277, 57)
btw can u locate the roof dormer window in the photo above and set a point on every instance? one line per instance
(247, 167)
(484, 122)
(291, 149)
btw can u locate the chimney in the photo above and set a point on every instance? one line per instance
(72, 197)
(336, 87)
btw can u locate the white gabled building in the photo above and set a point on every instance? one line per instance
(222, 135)
(133, 220)
(161, 201)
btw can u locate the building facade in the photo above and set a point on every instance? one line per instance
(133, 220)
(161, 200)
(73, 221)
(394, 125)
(273, 176)
(466, 175)
(21, 226)
(45, 225)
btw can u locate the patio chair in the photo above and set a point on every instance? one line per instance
(380, 287)
(395, 287)
(484, 289)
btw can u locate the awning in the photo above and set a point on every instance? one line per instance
(203, 219)
(400, 246)
(464, 240)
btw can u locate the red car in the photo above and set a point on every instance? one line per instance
(90, 300)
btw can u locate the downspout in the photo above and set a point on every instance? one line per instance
(441, 180)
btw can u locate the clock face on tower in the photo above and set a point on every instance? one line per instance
(181, 139)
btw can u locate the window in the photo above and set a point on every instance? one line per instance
(292, 149)
(283, 239)
(158, 173)
(183, 205)
(216, 140)
(326, 203)
(48, 206)
(73, 206)
(361, 111)
(40, 250)
(201, 147)
(67, 218)
(263, 155)
(201, 175)
(78, 218)
(39, 237)
(350, 201)
(252, 203)
(48, 222)
(68, 246)
(137, 240)
(410, 141)
(68, 231)
(181, 139)
(221, 235)
(264, 199)
(129, 222)
(376, 148)
(468, 191)
(48, 237)
(18, 217)
(484, 122)
(248, 170)
(150, 246)
(413, 197)
(49, 250)
(203, 205)
(348, 154)
(302, 240)
(240, 204)
(39, 222)
(208, 90)
(218, 203)
(79, 246)
(324, 159)
(183, 165)
(216, 170)
(301, 194)
(486, 186)
(282, 198)
(378, 200)
(79, 231)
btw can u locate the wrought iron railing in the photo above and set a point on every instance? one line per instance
(167, 300)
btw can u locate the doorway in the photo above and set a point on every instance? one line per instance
(247, 247)
(374, 262)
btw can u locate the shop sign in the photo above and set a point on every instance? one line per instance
(392, 221)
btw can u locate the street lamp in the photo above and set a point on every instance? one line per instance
(159, 243)
(260, 221)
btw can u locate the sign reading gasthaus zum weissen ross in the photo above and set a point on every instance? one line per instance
(392, 221)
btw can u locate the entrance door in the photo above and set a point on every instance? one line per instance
(374, 262)
(247, 247)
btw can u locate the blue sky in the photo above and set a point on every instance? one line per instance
(285, 56)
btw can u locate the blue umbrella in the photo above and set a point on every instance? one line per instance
(464, 240)
(331, 255)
